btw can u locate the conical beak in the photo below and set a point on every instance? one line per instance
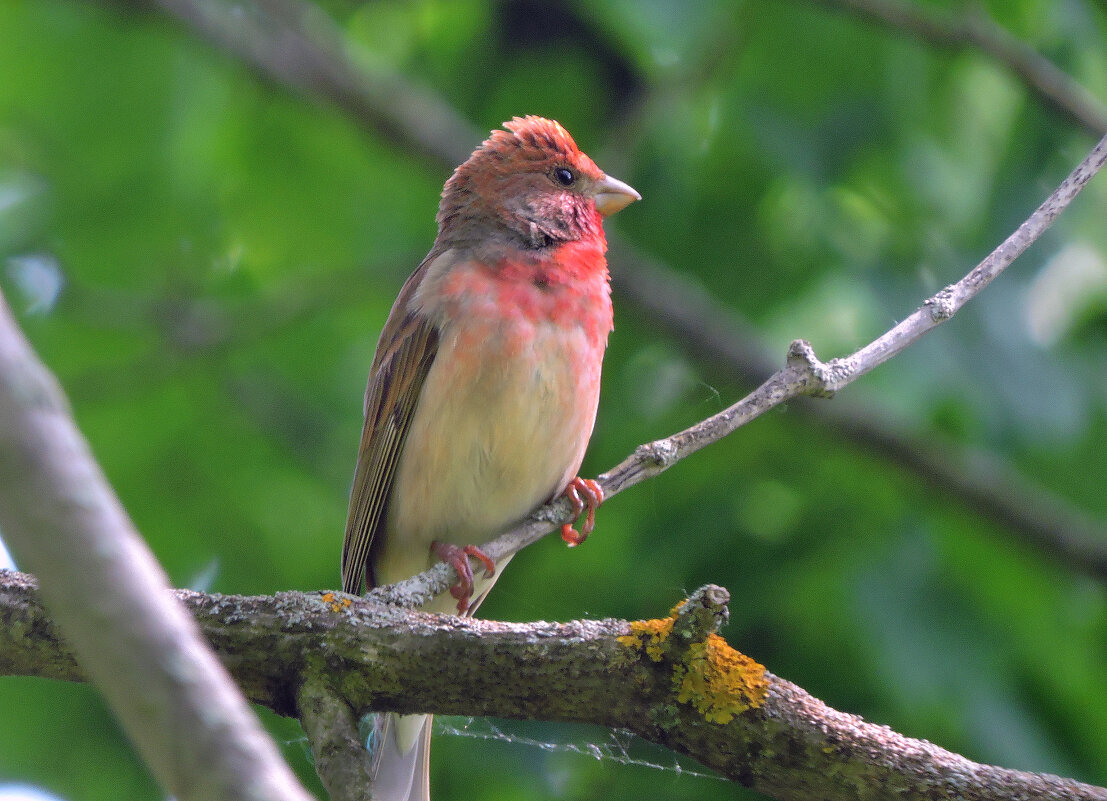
(613, 195)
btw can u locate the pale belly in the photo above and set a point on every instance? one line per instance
(501, 426)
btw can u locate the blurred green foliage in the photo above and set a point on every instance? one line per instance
(206, 259)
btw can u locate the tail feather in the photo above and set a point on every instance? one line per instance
(400, 745)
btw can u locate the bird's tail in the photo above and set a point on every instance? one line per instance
(400, 745)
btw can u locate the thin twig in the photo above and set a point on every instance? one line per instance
(712, 332)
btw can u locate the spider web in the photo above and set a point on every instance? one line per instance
(621, 746)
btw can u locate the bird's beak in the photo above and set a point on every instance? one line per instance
(613, 195)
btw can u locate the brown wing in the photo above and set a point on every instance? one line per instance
(404, 356)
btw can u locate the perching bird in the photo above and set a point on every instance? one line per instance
(483, 391)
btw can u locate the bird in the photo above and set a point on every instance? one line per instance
(483, 390)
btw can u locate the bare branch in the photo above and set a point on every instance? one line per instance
(61, 518)
(973, 30)
(710, 331)
(837, 373)
(288, 650)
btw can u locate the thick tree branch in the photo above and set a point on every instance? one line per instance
(671, 681)
(974, 30)
(108, 594)
(341, 758)
(295, 45)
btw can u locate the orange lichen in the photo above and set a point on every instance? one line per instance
(336, 604)
(719, 681)
(650, 635)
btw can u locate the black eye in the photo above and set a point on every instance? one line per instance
(564, 176)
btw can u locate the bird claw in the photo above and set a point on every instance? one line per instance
(582, 493)
(457, 557)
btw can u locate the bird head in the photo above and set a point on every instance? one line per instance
(532, 182)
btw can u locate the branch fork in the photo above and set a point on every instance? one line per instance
(820, 379)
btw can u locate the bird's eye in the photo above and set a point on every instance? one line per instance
(564, 176)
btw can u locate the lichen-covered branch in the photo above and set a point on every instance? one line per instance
(341, 758)
(673, 681)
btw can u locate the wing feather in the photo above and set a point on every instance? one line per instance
(407, 348)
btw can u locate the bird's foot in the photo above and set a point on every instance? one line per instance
(457, 557)
(582, 493)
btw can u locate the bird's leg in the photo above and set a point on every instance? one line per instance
(582, 492)
(457, 557)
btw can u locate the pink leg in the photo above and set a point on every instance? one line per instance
(582, 492)
(458, 558)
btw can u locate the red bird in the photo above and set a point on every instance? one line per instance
(483, 390)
